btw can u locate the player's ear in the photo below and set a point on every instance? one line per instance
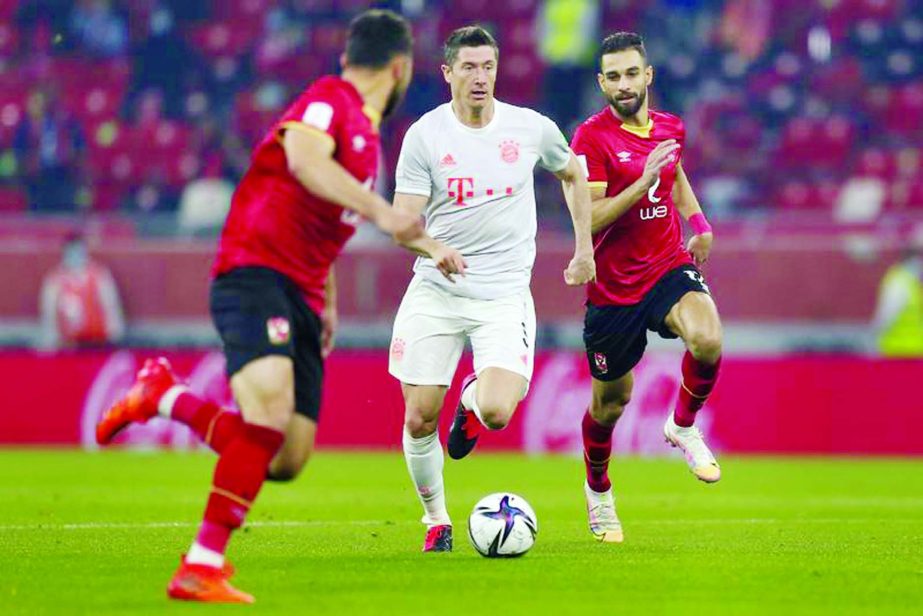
(446, 72)
(343, 60)
(649, 74)
(601, 81)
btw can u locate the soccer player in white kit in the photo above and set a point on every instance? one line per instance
(467, 167)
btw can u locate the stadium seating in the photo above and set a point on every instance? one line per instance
(787, 123)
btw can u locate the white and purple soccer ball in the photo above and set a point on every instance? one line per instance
(502, 525)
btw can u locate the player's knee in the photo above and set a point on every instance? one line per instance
(496, 415)
(287, 468)
(418, 423)
(607, 408)
(705, 346)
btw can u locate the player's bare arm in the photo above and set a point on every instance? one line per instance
(607, 210)
(329, 318)
(582, 267)
(309, 155)
(448, 260)
(688, 205)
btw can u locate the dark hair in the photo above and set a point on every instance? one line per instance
(622, 41)
(375, 37)
(469, 36)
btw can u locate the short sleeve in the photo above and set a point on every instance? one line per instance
(591, 159)
(553, 152)
(413, 175)
(317, 111)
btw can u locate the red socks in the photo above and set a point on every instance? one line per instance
(698, 380)
(216, 426)
(238, 478)
(597, 448)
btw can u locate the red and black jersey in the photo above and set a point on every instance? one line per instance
(274, 221)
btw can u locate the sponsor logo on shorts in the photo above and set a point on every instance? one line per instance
(600, 360)
(397, 349)
(278, 330)
(509, 151)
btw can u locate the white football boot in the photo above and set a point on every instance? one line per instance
(699, 458)
(604, 523)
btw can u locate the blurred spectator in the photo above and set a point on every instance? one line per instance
(163, 60)
(568, 35)
(204, 204)
(745, 27)
(898, 321)
(80, 303)
(49, 148)
(98, 28)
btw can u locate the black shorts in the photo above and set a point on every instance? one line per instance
(615, 336)
(258, 312)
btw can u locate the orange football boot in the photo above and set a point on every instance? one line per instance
(140, 403)
(207, 584)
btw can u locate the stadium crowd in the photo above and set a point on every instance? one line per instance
(152, 106)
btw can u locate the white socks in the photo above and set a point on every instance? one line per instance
(201, 555)
(469, 400)
(425, 461)
(168, 399)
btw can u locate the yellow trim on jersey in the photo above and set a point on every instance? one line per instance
(598, 184)
(294, 124)
(642, 131)
(372, 114)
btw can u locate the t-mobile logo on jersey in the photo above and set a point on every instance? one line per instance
(463, 188)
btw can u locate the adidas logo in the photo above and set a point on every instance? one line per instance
(447, 161)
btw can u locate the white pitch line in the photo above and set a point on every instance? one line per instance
(143, 525)
(312, 523)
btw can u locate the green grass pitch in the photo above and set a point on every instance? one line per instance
(102, 533)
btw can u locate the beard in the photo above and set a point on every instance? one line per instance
(630, 107)
(394, 100)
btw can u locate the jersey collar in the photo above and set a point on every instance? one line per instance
(373, 115)
(641, 131)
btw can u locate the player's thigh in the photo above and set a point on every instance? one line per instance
(296, 449)
(615, 338)
(254, 316)
(428, 336)
(503, 343)
(500, 389)
(264, 390)
(694, 314)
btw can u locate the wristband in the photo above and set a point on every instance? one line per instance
(699, 224)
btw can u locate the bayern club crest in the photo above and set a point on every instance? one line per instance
(509, 151)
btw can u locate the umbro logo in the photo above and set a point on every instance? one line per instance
(624, 156)
(447, 161)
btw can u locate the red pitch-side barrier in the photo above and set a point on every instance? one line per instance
(802, 404)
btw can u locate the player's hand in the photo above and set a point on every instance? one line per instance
(402, 226)
(329, 321)
(448, 261)
(700, 247)
(660, 157)
(580, 270)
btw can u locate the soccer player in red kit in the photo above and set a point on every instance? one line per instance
(272, 296)
(646, 279)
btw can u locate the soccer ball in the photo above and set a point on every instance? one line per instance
(502, 525)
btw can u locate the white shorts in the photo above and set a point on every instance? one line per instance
(432, 324)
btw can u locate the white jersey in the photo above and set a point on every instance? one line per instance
(481, 194)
